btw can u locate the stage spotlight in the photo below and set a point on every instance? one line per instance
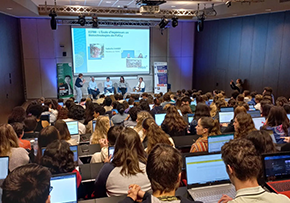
(82, 20)
(200, 23)
(95, 21)
(163, 23)
(53, 23)
(228, 4)
(174, 22)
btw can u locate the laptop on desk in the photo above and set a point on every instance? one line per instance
(64, 188)
(73, 127)
(226, 117)
(259, 122)
(159, 118)
(277, 172)
(4, 168)
(254, 113)
(215, 142)
(207, 179)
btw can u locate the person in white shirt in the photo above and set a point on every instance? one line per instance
(140, 86)
(94, 88)
(244, 166)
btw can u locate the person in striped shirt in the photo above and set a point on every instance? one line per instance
(206, 126)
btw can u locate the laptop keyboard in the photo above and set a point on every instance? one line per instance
(281, 186)
(212, 195)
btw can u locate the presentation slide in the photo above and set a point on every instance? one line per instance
(103, 52)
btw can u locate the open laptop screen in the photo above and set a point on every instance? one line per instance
(64, 188)
(159, 118)
(190, 117)
(227, 109)
(4, 165)
(73, 127)
(276, 166)
(215, 143)
(205, 169)
(226, 117)
(94, 125)
(259, 122)
(254, 113)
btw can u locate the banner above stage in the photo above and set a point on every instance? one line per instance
(160, 77)
(64, 80)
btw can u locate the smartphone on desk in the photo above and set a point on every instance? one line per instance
(111, 152)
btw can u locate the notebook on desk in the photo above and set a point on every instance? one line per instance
(277, 172)
(64, 188)
(207, 179)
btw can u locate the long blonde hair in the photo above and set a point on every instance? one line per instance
(8, 139)
(141, 116)
(101, 129)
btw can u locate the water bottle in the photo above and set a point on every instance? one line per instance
(35, 146)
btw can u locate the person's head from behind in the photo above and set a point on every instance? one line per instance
(201, 110)
(235, 94)
(108, 101)
(154, 134)
(62, 128)
(99, 110)
(69, 104)
(145, 95)
(241, 160)
(164, 168)
(185, 109)
(133, 112)
(120, 108)
(243, 124)
(144, 105)
(19, 129)
(240, 98)
(246, 93)
(141, 116)
(277, 116)
(129, 152)
(166, 97)
(101, 129)
(113, 134)
(30, 123)
(18, 114)
(28, 183)
(47, 135)
(239, 109)
(258, 98)
(281, 101)
(267, 91)
(35, 110)
(185, 100)
(58, 157)
(8, 139)
(77, 112)
(262, 141)
(207, 126)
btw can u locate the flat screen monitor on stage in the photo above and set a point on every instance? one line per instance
(105, 52)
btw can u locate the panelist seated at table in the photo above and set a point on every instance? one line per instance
(93, 88)
(108, 86)
(122, 86)
(140, 86)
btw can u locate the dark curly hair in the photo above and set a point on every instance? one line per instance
(262, 142)
(241, 155)
(58, 157)
(76, 112)
(18, 114)
(174, 120)
(201, 110)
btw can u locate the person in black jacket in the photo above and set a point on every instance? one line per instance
(238, 86)
(164, 172)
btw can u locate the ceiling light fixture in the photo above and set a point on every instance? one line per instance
(82, 20)
(163, 23)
